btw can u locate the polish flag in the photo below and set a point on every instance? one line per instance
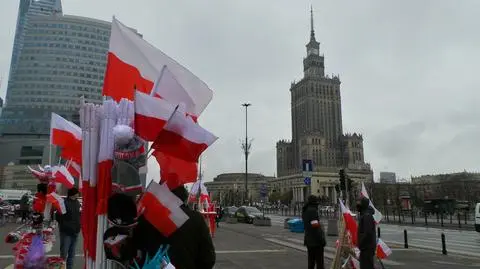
(61, 175)
(198, 188)
(354, 263)
(57, 202)
(383, 251)
(40, 175)
(68, 136)
(377, 216)
(162, 209)
(74, 168)
(350, 223)
(151, 115)
(174, 171)
(183, 138)
(133, 63)
(168, 88)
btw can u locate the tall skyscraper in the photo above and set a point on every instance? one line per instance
(62, 58)
(26, 10)
(317, 132)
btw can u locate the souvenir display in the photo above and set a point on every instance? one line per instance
(347, 252)
(107, 151)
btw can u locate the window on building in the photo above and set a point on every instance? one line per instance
(31, 151)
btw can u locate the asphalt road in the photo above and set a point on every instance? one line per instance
(234, 251)
(458, 242)
(401, 258)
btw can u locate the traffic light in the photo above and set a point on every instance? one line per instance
(350, 184)
(341, 173)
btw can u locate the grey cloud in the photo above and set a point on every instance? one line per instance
(408, 71)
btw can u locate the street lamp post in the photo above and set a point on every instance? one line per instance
(246, 148)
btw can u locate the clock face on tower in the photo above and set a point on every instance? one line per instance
(312, 51)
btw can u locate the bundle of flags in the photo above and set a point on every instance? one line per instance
(160, 100)
(351, 226)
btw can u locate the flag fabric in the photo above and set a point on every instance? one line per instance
(174, 171)
(74, 168)
(350, 223)
(106, 154)
(68, 136)
(377, 216)
(40, 175)
(162, 209)
(168, 88)
(151, 115)
(89, 121)
(57, 202)
(133, 63)
(183, 138)
(61, 175)
(383, 251)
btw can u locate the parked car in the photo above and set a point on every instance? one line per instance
(247, 214)
(229, 211)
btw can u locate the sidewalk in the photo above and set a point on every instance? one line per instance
(406, 221)
(401, 258)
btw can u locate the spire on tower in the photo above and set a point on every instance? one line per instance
(312, 30)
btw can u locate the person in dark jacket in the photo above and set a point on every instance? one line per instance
(367, 241)
(69, 226)
(191, 246)
(24, 207)
(314, 238)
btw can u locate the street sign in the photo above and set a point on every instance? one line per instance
(307, 180)
(263, 190)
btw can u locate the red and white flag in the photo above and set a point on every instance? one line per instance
(174, 171)
(61, 175)
(151, 115)
(68, 136)
(74, 168)
(162, 209)
(377, 216)
(57, 202)
(133, 63)
(168, 88)
(383, 251)
(183, 138)
(350, 223)
(40, 175)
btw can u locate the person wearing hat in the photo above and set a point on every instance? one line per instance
(314, 238)
(69, 226)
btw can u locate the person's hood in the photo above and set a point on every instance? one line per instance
(364, 204)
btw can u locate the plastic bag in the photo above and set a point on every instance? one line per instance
(35, 258)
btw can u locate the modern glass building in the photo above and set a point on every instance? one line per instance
(27, 9)
(62, 59)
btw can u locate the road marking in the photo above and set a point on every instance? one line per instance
(4, 257)
(329, 255)
(249, 251)
(447, 243)
(438, 249)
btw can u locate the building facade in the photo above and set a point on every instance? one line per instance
(317, 132)
(229, 188)
(62, 59)
(56, 60)
(388, 177)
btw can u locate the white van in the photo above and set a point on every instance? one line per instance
(477, 217)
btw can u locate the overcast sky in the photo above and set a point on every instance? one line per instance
(409, 72)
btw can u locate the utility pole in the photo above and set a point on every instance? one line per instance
(246, 149)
